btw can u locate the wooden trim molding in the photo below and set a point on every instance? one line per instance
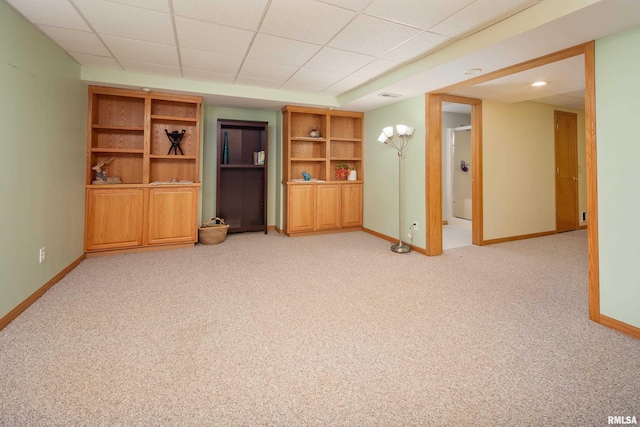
(433, 168)
(433, 173)
(329, 231)
(477, 197)
(619, 326)
(140, 249)
(592, 180)
(393, 240)
(520, 237)
(13, 314)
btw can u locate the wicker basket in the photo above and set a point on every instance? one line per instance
(213, 231)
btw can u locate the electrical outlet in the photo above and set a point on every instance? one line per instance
(414, 224)
(42, 254)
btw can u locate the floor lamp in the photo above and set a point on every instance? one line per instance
(400, 144)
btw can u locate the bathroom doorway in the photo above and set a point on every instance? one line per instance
(456, 175)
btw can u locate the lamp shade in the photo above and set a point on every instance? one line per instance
(410, 130)
(388, 131)
(402, 129)
(383, 138)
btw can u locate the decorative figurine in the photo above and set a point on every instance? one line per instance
(314, 133)
(101, 176)
(306, 176)
(175, 137)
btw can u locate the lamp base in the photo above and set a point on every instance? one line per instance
(401, 248)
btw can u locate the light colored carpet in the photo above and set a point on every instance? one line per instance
(324, 330)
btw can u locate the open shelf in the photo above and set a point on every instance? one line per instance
(303, 122)
(174, 110)
(241, 193)
(118, 112)
(346, 127)
(126, 166)
(160, 143)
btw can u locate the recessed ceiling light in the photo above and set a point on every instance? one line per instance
(472, 71)
(389, 95)
(536, 84)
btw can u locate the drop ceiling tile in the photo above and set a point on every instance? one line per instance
(96, 61)
(266, 70)
(139, 51)
(348, 83)
(305, 20)
(154, 69)
(330, 59)
(372, 36)
(355, 5)
(76, 41)
(417, 46)
(208, 76)
(210, 61)
(240, 14)
(250, 81)
(480, 15)
(56, 13)
(127, 22)
(283, 51)
(157, 5)
(309, 77)
(210, 37)
(417, 13)
(376, 68)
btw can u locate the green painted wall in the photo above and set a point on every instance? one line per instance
(209, 157)
(43, 110)
(381, 172)
(617, 113)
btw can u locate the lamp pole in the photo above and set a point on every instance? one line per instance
(400, 247)
(386, 137)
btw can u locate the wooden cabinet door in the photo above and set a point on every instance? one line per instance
(172, 215)
(301, 208)
(114, 218)
(328, 206)
(352, 205)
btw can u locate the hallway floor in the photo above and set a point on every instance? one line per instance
(455, 237)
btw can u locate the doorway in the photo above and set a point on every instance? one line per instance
(433, 167)
(566, 159)
(456, 175)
